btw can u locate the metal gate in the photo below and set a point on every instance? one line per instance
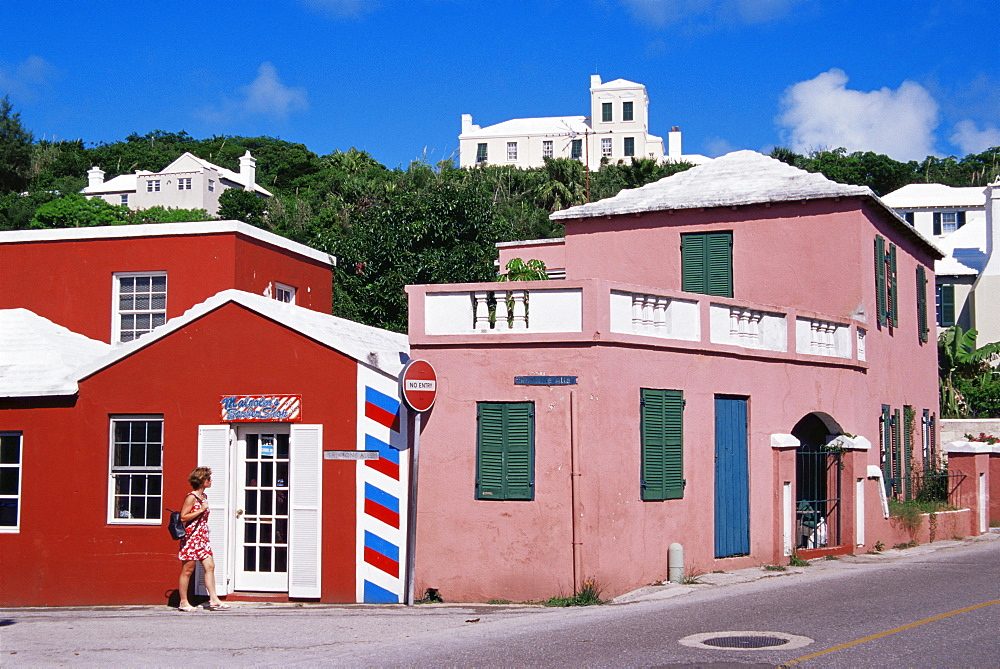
(817, 499)
(732, 478)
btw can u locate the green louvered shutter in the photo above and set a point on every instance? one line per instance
(520, 466)
(662, 430)
(505, 454)
(897, 428)
(946, 301)
(880, 279)
(894, 304)
(907, 449)
(707, 263)
(922, 303)
(885, 441)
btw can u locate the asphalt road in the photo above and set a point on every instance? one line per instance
(935, 606)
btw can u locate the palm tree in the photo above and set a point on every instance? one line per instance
(959, 359)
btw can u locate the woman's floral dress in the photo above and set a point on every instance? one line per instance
(195, 545)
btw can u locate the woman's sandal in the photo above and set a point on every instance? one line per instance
(219, 607)
(187, 609)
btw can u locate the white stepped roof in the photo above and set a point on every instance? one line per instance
(735, 179)
(917, 196)
(549, 125)
(186, 162)
(381, 349)
(40, 358)
(619, 83)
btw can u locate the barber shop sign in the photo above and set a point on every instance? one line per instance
(261, 408)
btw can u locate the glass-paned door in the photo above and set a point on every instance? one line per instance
(262, 509)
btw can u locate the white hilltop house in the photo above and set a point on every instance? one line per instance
(187, 183)
(957, 220)
(616, 129)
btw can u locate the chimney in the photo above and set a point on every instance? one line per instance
(986, 289)
(595, 80)
(248, 171)
(467, 126)
(674, 144)
(95, 178)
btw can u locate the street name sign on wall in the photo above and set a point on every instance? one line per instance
(544, 380)
(261, 408)
(418, 383)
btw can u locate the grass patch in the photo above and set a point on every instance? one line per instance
(796, 561)
(431, 596)
(588, 595)
(499, 601)
(775, 567)
(908, 544)
(832, 557)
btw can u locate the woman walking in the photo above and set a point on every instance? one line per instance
(195, 545)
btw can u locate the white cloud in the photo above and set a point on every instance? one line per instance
(344, 8)
(970, 139)
(717, 146)
(663, 12)
(27, 79)
(822, 113)
(266, 95)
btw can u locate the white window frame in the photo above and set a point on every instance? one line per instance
(16, 527)
(949, 226)
(605, 147)
(211, 185)
(482, 152)
(282, 292)
(625, 147)
(117, 312)
(511, 150)
(153, 186)
(184, 183)
(124, 197)
(628, 110)
(547, 148)
(125, 470)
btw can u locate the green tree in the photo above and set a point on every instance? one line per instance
(76, 211)
(15, 150)
(168, 215)
(524, 270)
(966, 374)
(238, 204)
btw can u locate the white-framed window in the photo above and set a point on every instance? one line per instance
(629, 146)
(211, 185)
(949, 222)
(184, 183)
(284, 293)
(481, 152)
(140, 304)
(10, 481)
(153, 186)
(576, 149)
(136, 490)
(125, 199)
(627, 113)
(606, 147)
(606, 113)
(511, 150)
(546, 148)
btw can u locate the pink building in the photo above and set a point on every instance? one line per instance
(724, 366)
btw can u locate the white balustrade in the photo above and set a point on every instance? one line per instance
(655, 316)
(493, 311)
(818, 337)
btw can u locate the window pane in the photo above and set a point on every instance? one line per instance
(8, 480)
(265, 558)
(10, 450)
(282, 446)
(280, 530)
(282, 481)
(249, 558)
(266, 502)
(8, 512)
(265, 533)
(267, 474)
(250, 533)
(153, 505)
(251, 475)
(281, 508)
(280, 560)
(252, 446)
(251, 502)
(126, 285)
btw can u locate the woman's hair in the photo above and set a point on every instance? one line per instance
(199, 476)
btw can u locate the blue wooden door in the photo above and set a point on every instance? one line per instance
(732, 480)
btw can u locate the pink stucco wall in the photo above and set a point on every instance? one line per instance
(815, 257)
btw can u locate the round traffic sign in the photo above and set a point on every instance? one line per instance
(419, 385)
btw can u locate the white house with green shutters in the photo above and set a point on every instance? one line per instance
(617, 128)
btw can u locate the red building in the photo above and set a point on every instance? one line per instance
(224, 354)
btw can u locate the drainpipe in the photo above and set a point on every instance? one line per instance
(574, 478)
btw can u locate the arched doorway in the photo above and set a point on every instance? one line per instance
(818, 470)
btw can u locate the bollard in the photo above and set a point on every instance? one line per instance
(675, 563)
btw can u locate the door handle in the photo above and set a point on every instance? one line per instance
(239, 512)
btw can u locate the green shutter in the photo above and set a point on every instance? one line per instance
(894, 295)
(662, 434)
(896, 445)
(885, 444)
(947, 299)
(907, 448)
(922, 303)
(959, 219)
(880, 279)
(707, 263)
(937, 223)
(505, 455)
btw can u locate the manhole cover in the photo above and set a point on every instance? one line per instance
(745, 640)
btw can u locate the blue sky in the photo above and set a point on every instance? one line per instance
(392, 77)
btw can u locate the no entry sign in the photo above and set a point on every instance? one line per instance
(419, 385)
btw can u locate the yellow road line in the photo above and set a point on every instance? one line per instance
(887, 633)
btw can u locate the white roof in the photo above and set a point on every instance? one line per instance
(40, 358)
(951, 266)
(377, 348)
(186, 162)
(165, 230)
(123, 183)
(917, 196)
(965, 250)
(738, 178)
(619, 83)
(548, 125)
